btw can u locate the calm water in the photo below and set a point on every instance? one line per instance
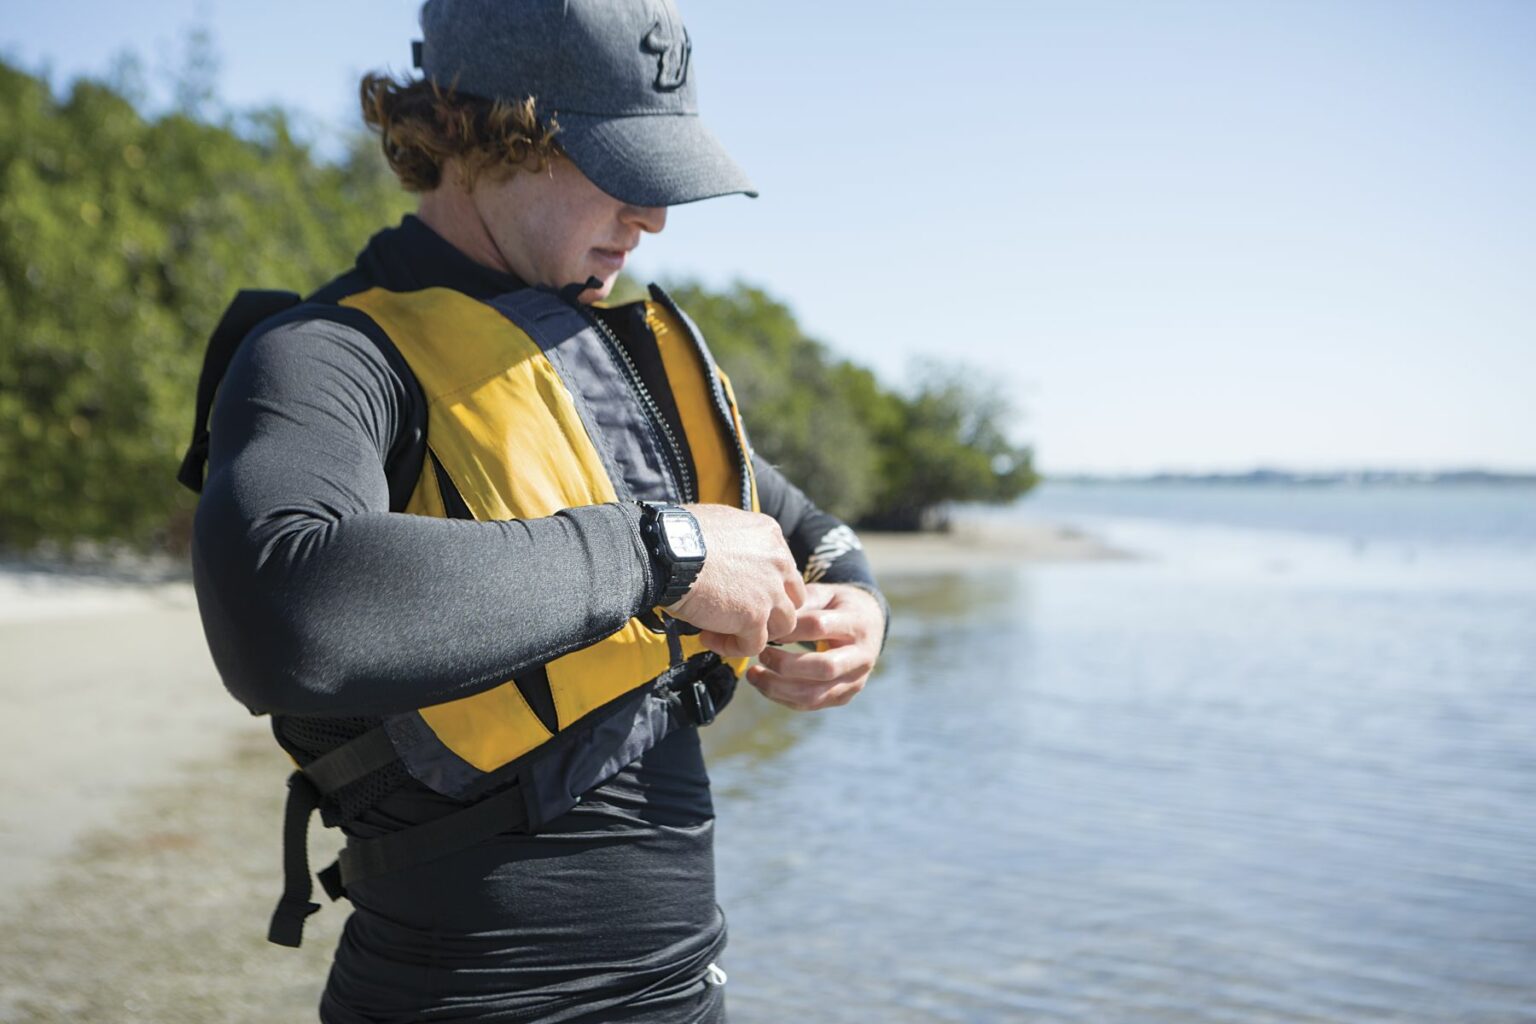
(1281, 769)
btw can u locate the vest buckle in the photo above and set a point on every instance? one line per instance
(699, 703)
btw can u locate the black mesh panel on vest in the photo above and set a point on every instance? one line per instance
(306, 738)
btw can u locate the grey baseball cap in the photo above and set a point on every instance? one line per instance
(616, 76)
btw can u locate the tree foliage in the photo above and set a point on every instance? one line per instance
(793, 393)
(123, 237)
(880, 458)
(947, 443)
(121, 240)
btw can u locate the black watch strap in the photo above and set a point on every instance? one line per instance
(678, 583)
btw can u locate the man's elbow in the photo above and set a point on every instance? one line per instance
(272, 665)
(273, 655)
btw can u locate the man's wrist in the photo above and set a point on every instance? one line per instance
(650, 577)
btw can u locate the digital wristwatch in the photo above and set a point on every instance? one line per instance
(676, 544)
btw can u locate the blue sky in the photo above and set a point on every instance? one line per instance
(1183, 235)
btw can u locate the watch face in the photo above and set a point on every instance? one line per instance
(682, 535)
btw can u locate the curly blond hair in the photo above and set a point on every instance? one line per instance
(421, 125)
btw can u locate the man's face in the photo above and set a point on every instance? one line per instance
(555, 227)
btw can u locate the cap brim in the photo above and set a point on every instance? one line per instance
(651, 159)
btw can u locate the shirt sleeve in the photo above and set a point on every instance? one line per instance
(318, 600)
(825, 548)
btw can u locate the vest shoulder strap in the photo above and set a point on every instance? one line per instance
(248, 309)
(254, 311)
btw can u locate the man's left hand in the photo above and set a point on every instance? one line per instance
(849, 622)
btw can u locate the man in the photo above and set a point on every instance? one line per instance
(488, 554)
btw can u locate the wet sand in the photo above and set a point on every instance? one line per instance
(140, 806)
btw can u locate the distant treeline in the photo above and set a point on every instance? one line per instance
(122, 237)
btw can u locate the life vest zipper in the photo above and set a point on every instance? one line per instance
(679, 465)
(717, 392)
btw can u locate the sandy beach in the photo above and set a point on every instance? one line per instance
(972, 545)
(140, 801)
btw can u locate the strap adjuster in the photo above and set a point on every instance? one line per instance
(330, 881)
(699, 703)
(698, 688)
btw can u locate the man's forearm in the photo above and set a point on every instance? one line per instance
(379, 613)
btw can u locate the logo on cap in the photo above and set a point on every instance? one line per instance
(672, 47)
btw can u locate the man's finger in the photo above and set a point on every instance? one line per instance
(794, 589)
(781, 620)
(818, 595)
(792, 693)
(802, 695)
(729, 645)
(817, 666)
(823, 624)
(789, 684)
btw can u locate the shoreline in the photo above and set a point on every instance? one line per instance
(977, 545)
(41, 589)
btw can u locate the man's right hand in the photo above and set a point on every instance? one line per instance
(749, 589)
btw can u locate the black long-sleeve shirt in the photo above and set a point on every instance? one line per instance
(327, 607)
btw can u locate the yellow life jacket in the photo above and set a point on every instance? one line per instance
(514, 431)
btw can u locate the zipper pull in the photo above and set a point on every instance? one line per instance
(571, 293)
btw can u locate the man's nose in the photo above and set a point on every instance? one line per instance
(647, 218)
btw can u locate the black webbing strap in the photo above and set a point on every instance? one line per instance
(351, 761)
(248, 309)
(394, 851)
(287, 928)
(307, 787)
(674, 643)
